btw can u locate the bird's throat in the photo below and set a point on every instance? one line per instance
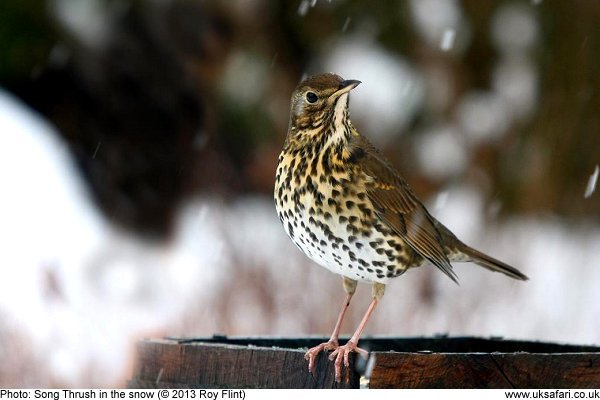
(340, 111)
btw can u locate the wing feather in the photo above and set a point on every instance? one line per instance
(400, 210)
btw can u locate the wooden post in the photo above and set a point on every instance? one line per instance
(440, 362)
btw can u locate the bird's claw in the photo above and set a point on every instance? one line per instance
(312, 353)
(341, 354)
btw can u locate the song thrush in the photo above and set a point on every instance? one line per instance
(345, 206)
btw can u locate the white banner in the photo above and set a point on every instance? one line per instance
(286, 394)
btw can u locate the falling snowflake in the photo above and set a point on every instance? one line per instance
(305, 5)
(448, 39)
(591, 185)
(346, 24)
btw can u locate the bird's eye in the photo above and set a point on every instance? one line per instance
(311, 97)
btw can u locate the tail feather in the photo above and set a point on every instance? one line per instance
(492, 264)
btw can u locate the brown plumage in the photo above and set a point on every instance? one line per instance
(345, 206)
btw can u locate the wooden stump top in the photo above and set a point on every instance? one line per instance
(438, 362)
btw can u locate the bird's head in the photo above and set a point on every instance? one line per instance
(320, 100)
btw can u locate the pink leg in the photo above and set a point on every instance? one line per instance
(342, 352)
(332, 344)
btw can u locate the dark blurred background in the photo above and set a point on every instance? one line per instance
(160, 99)
(160, 103)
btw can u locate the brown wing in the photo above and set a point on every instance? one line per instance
(398, 207)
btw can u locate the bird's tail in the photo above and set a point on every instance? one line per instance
(492, 264)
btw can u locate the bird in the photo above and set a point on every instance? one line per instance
(349, 210)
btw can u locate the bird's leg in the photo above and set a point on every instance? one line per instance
(332, 344)
(342, 352)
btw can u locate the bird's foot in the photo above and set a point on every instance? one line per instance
(341, 354)
(312, 353)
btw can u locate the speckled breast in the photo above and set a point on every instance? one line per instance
(328, 215)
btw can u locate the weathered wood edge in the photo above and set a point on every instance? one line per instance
(185, 363)
(485, 370)
(415, 344)
(169, 363)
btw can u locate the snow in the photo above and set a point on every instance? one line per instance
(591, 185)
(69, 281)
(438, 22)
(306, 5)
(448, 39)
(86, 20)
(480, 115)
(245, 78)
(391, 91)
(515, 28)
(96, 150)
(346, 24)
(483, 116)
(441, 153)
(515, 79)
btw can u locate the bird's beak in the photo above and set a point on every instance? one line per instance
(345, 87)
